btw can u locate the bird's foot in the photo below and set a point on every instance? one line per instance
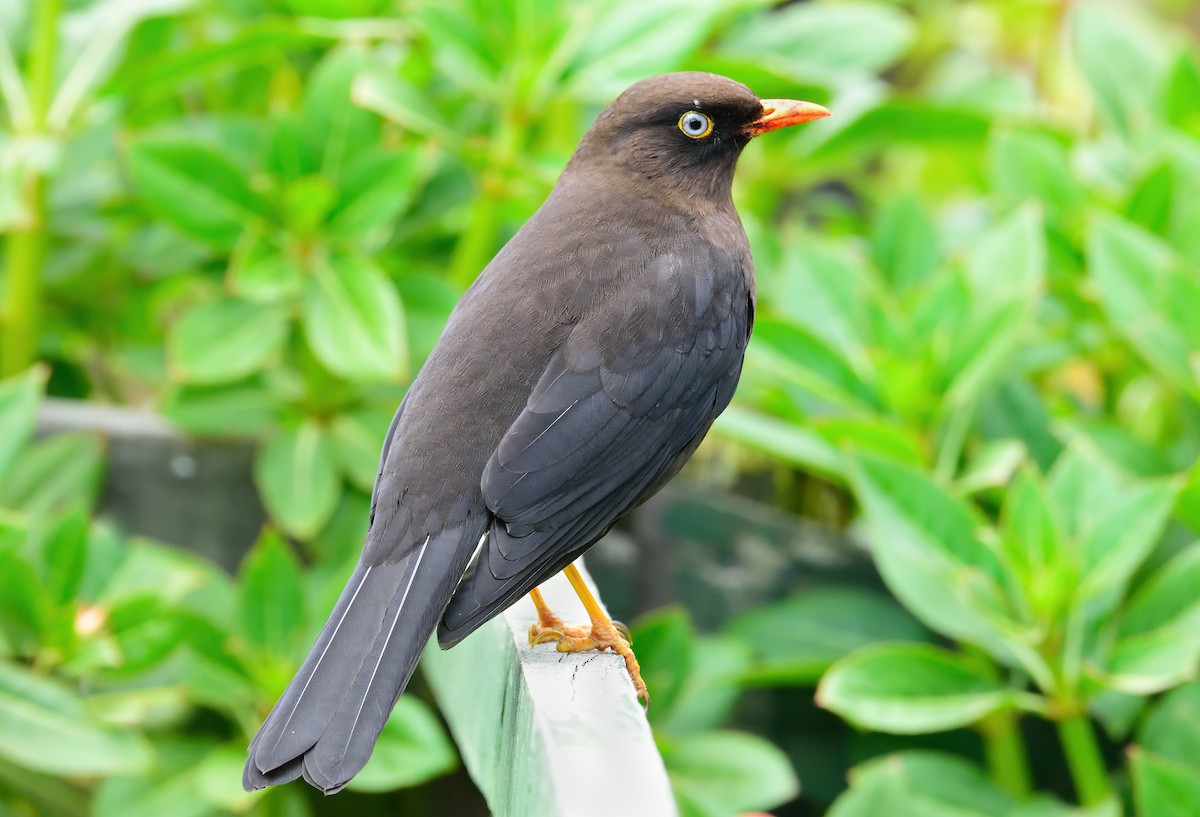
(551, 628)
(602, 635)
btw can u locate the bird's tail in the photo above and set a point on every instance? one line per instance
(329, 717)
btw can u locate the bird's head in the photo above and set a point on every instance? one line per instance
(685, 129)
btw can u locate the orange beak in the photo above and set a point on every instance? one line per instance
(783, 113)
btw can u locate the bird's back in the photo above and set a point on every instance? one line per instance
(593, 283)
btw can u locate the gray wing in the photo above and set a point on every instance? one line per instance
(616, 412)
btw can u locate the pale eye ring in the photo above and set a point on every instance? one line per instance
(695, 125)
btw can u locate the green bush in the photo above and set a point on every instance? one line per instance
(977, 331)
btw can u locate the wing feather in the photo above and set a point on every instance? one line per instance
(594, 440)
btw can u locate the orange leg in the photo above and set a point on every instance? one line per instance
(604, 634)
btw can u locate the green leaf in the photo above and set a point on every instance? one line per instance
(14, 530)
(24, 605)
(239, 409)
(388, 95)
(1151, 202)
(1084, 488)
(1181, 91)
(225, 340)
(904, 242)
(212, 682)
(337, 9)
(901, 121)
(822, 43)
(298, 480)
(666, 646)
(469, 40)
(41, 794)
(826, 290)
(306, 202)
(992, 465)
(412, 748)
(170, 789)
(1044, 806)
(1172, 728)
(626, 41)
(44, 727)
(712, 686)
(792, 352)
(19, 397)
(1125, 536)
(288, 156)
(358, 437)
(873, 435)
(162, 72)
(982, 345)
(1033, 545)
(106, 549)
(788, 442)
(1026, 166)
(340, 542)
(272, 601)
(1168, 599)
(1121, 59)
(354, 322)
(911, 689)
(428, 301)
(196, 188)
(331, 120)
(1149, 663)
(732, 772)
(1163, 788)
(1150, 297)
(218, 779)
(1008, 262)
(922, 784)
(1188, 506)
(374, 189)
(794, 641)
(64, 555)
(1004, 274)
(1015, 409)
(924, 543)
(170, 575)
(1122, 444)
(259, 272)
(1117, 711)
(55, 472)
(145, 630)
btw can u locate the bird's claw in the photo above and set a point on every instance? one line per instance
(583, 639)
(542, 631)
(540, 635)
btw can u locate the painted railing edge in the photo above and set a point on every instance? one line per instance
(544, 733)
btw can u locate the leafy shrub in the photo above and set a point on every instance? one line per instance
(977, 332)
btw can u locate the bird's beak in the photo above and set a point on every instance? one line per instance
(783, 113)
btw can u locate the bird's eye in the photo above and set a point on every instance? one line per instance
(695, 125)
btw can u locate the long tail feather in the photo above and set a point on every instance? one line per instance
(328, 719)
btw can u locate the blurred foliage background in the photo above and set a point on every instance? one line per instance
(977, 356)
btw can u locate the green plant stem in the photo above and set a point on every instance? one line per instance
(24, 254)
(25, 249)
(42, 59)
(1004, 749)
(1083, 757)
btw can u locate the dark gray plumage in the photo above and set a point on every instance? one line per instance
(572, 380)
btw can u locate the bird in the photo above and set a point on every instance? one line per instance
(573, 379)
